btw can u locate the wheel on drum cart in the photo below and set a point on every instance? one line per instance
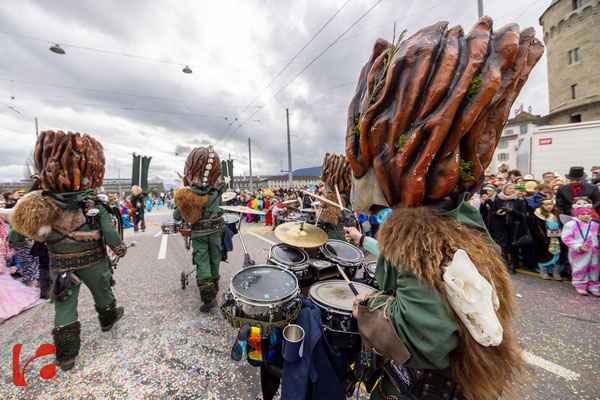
(183, 280)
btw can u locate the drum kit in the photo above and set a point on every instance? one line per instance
(307, 263)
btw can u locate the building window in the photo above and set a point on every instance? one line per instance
(574, 91)
(503, 144)
(520, 141)
(575, 118)
(503, 157)
(577, 4)
(508, 132)
(523, 129)
(574, 56)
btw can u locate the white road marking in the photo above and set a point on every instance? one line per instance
(162, 253)
(158, 233)
(550, 366)
(272, 243)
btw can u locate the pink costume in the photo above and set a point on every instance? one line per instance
(14, 296)
(586, 265)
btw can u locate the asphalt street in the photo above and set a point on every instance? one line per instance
(164, 348)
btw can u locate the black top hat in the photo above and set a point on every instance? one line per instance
(576, 173)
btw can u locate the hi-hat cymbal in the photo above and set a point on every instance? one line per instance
(301, 234)
(242, 209)
(227, 196)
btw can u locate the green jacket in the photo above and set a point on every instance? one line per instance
(418, 311)
(212, 201)
(138, 202)
(109, 233)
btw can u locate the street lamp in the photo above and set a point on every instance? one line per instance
(187, 70)
(57, 49)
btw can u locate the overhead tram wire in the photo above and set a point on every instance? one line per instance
(284, 68)
(118, 93)
(120, 54)
(18, 112)
(304, 69)
(122, 108)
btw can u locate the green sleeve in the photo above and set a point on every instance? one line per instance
(110, 234)
(422, 322)
(15, 239)
(370, 245)
(177, 214)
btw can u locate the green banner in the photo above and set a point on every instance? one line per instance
(135, 170)
(145, 169)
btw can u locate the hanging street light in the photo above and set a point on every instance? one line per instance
(187, 70)
(57, 49)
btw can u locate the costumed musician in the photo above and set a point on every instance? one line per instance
(76, 226)
(336, 172)
(198, 205)
(138, 204)
(437, 340)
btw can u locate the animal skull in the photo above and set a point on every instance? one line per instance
(474, 299)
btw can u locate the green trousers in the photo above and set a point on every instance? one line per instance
(207, 256)
(97, 279)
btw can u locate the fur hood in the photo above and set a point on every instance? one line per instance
(424, 242)
(190, 204)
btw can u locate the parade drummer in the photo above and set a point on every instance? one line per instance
(447, 292)
(138, 202)
(76, 228)
(336, 173)
(198, 205)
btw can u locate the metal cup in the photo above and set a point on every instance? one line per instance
(293, 343)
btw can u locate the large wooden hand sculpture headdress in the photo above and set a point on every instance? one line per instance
(427, 113)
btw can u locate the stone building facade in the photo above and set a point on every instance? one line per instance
(572, 40)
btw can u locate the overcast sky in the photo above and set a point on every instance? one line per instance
(235, 48)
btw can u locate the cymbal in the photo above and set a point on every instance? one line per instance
(227, 196)
(301, 234)
(242, 209)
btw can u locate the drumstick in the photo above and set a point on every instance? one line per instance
(321, 198)
(337, 192)
(348, 281)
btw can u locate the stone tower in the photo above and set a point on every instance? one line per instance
(572, 39)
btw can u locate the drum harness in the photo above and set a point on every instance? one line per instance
(237, 322)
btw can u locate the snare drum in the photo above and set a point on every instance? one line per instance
(293, 258)
(343, 254)
(335, 299)
(171, 226)
(231, 220)
(369, 274)
(264, 293)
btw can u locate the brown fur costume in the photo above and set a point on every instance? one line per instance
(190, 204)
(418, 239)
(69, 162)
(34, 215)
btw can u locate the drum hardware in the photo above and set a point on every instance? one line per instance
(344, 254)
(171, 226)
(369, 274)
(323, 269)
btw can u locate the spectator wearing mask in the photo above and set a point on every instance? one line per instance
(576, 188)
(508, 224)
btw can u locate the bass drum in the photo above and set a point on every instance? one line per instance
(264, 293)
(294, 259)
(343, 254)
(335, 299)
(369, 274)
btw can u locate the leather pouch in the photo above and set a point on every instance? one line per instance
(378, 332)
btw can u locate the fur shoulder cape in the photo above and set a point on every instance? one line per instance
(36, 215)
(331, 214)
(424, 242)
(190, 204)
